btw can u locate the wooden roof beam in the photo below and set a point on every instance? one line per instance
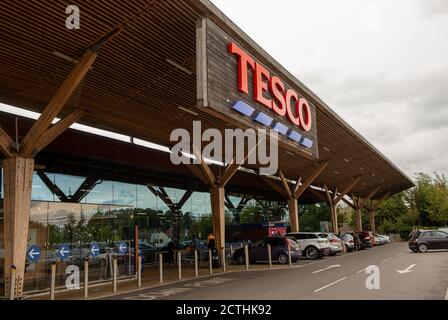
(233, 167)
(51, 134)
(365, 201)
(207, 172)
(271, 182)
(299, 191)
(350, 204)
(63, 95)
(58, 101)
(285, 184)
(347, 189)
(5, 143)
(319, 195)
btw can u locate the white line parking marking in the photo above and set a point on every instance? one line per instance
(388, 259)
(329, 268)
(361, 271)
(329, 285)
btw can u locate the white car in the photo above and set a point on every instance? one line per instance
(313, 245)
(349, 242)
(334, 241)
(381, 239)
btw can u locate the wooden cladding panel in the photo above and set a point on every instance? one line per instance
(222, 78)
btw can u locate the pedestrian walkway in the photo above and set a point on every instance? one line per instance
(150, 278)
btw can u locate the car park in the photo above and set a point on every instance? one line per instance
(258, 251)
(313, 245)
(425, 240)
(334, 241)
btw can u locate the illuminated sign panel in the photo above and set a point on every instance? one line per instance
(236, 83)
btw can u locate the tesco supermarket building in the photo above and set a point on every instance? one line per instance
(139, 70)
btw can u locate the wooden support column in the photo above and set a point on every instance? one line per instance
(293, 208)
(18, 178)
(19, 165)
(334, 198)
(358, 218)
(217, 191)
(217, 197)
(372, 207)
(372, 221)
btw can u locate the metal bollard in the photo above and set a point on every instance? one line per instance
(231, 251)
(161, 267)
(139, 272)
(210, 261)
(289, 256)
(196, 268)
(246, 255)
(344, 248)
(13, 283)
(53, 280)
(86, 277)
(179, 264)
(114, 280)
(270, 256)
(224, 267)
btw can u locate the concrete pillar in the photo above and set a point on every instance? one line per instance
(358, 219)
(18, 178)
(217, 196)
(293, 208)
(372, 221)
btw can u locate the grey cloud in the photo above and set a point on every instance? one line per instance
(434, 7)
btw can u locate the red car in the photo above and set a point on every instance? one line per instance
(367, 238)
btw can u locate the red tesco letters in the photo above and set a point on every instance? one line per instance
(270, 91)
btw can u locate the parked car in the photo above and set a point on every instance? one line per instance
(313, 245)
(189, 243)
(367, 239)
(378, 240)
(425, 240)
(334, 241)
(349, 241)
(258, 251)
(381, 239)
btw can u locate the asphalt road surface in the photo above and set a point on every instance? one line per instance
(403, 275)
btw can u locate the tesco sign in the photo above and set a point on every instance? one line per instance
(270, 91)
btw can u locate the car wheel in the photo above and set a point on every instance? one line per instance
(240, 259)
(283, 258)
(312, 253)
(423, 248)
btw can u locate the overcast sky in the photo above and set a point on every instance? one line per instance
(380, 64)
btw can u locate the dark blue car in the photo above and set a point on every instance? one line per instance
(258, 251)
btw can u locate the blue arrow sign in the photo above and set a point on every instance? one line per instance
(122, 248)
(94, 249)
(63, 251)
(33, 254)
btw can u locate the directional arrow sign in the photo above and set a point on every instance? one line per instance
(33, 254)
(94, 250)
(329, 268)
(122, 248)
(63, 251)
(407, 270)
